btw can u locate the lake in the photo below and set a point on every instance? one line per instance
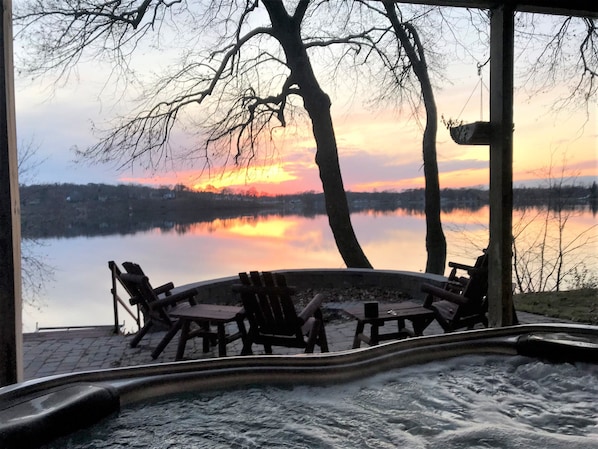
(79, 293)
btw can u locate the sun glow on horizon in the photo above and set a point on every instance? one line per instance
(265, 174)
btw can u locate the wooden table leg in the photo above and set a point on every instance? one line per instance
(401, 325)
(221, 340)
(375, 334)
(358, 331)
(207, 339)
(180, 351)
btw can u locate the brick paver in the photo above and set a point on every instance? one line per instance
(50, 353)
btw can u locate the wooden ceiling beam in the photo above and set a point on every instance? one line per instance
(579, 8)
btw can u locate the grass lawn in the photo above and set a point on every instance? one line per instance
(576, 305)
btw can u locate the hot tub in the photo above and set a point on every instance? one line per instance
(225, 396)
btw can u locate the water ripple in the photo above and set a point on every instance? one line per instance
(466, 402)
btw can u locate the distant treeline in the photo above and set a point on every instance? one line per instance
(57, 210)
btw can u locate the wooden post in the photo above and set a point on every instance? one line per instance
(500, 252)
(11, 337)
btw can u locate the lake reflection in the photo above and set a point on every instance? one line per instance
(80, 292)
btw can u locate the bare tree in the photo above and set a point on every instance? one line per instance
(397, 59)
(36, 271)
(559, 52)
(28, 162)
(409, 39)
(377, 43)
(244, 67)
(545, 254)
(239, 72)
(566, 39)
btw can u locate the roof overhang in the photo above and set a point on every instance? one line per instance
(580, 8)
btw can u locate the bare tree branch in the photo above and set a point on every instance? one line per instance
(561, 52)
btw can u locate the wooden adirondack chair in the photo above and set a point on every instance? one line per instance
(273, 319)
(154, 303)
(463, 303)
(457, 280)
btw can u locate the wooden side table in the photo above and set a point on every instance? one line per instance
(419, 316)
(205, 315)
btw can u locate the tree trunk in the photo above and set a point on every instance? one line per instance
(435, 239)
(287, 30)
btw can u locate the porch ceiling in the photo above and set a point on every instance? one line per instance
(581, 8)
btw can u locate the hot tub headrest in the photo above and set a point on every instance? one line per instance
(39, 417)
(560, 346)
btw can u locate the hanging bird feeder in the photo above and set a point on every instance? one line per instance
(477, 133)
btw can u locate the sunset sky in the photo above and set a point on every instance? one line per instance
(379, 149)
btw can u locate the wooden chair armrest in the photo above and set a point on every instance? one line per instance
(186, 295)
(164, 288)
(470, 270)
(310, 309)
(460, 266)
(441, 293)
(308, 325)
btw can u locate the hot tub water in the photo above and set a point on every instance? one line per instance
(463, 402)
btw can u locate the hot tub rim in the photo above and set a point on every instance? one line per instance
(114, 388)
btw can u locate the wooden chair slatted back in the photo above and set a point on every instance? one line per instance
(143, 294)
(270, 305)
(117, 276)
(476, 289)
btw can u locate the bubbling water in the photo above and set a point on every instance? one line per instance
(465, 402)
